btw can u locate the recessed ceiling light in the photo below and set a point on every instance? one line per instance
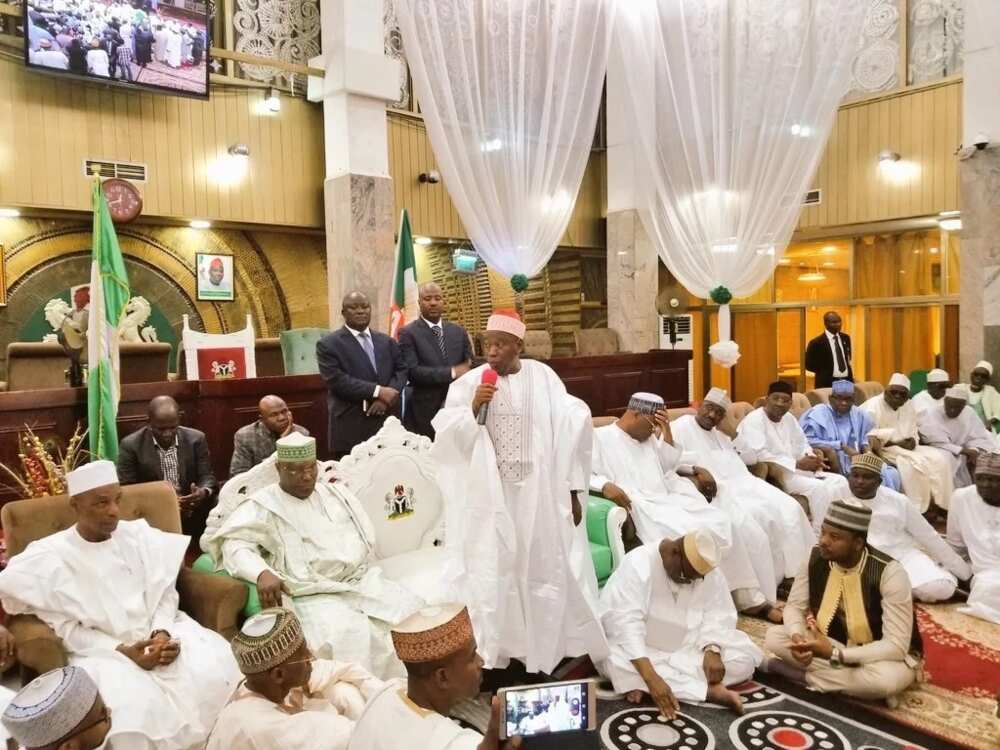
(200, 224)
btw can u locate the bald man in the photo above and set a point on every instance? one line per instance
(256, 441)
(436, 352)
(364, 374)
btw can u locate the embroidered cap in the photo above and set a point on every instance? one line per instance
(50, 707)
(267, 640)
(432, 633)
(702, 551)
(957, 391)
(780, 386)
(850, 515)
(645, 403)
(868, 462)
(988, 463)
(718, 397)
(938, 376)
(296, 448)
(507, 321)
(984, 365)
(899, 378)
(91, 476)
(843, 388)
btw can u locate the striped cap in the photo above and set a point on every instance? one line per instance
(645, 403)
(267, 640)
(843, 388)
(296, 448)
(988, 463)
(850, 515)
(868, 462)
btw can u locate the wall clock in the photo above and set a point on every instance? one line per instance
(124, 200)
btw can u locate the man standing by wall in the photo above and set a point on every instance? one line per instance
(829, 354)
(436, 352)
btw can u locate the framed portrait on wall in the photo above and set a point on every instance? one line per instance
(215, 277)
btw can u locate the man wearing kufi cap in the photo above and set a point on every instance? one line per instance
(898, 530)
(309, 545)
(771, 435)
(107, 588)
(60, 709)
(925, 472)
(438, 647)
(849, 624)
(983, 397)
(512, 451)
(672, 626)
(952, 430)
(938, 381)
(704, 447)
(290, 700)
(974, 531)
(636, 466)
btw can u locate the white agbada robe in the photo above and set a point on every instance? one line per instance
(898, 530)
(947, 437)
(923, 401)
(759, 440)
(97, 595)
(391, 721)
(974, 528)
(515, 558)
(323, 549)
(666, 505)
(649, 615)
(173, 50)
(779, 514)
(322, 719)
(160, 37)
(925, 472)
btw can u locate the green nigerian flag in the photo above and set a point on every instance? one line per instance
(404, 282)
(109, 293)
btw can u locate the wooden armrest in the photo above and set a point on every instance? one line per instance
(215, 602)
(39, 649)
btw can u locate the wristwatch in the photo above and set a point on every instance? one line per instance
(835, 659)
(712, 648)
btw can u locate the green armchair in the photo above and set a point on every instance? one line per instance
(604, 532)
(298, 349)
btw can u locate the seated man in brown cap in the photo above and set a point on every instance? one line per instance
(438, 648)
(61, 709)
(849, 625)
(290, 700)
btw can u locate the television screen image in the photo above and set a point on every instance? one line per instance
(160, 45)
(545, 709)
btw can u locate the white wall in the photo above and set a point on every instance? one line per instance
(981, 97)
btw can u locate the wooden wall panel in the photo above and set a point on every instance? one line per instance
(922, 126)
(50, 125)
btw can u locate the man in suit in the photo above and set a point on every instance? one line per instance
(436, 352)
(829, 354)
(364, 374)
(163, 450)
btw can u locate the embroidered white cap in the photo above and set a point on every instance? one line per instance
(90, 476)
(938, 376)
(718, 397)
(507, 321)
(899, 378)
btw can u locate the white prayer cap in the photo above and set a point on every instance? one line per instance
(899, 378)
(702, 551)
(957, 391)
(645, 403)
(507, 321)
(718, 397)
(984, 365)
(295, 448)
(938, 376)
(90, 476)
(50, 707)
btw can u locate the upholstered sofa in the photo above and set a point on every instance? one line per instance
(213, 601)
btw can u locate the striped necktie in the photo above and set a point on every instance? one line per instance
(439, 335)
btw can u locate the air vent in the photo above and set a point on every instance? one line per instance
(683, 323)
(813, 198)
(121, 169)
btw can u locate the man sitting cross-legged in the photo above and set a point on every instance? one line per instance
(974, 528)
(107, 589)
(672, 627)
(313, 542)
(290, 700)
(59, 710)
(635, 465)
(849, 623)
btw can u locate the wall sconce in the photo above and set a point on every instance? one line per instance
(950, 221)
(887, 160)
(272, 102)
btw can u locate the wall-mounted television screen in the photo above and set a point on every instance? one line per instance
(160, 45)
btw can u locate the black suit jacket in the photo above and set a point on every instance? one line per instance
(139, 460)
(429, 371)
(350, 382)
(819, 359)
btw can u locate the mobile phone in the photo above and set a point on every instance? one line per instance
(549, 708)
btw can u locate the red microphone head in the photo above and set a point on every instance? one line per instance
(489, 376)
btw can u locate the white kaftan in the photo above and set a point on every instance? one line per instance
(649, 615)
(173, 50)
(759, 440)
(974, 528)
(98, 595)
(666, 505)
(947, 437)
(514, 555)
(923, 401)
(322, 548)
(391, 721)
(321, 719)
(925, 472)
(779, 514)
(898, 530)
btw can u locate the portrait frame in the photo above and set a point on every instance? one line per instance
(205, 271)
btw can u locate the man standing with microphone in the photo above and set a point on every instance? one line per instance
(513, 456)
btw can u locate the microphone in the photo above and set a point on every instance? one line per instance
(489, 376)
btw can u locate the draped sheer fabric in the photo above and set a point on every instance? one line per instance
(733, 101)
(510, 91)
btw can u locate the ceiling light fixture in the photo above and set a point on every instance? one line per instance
(423, 240)
(200, 224)
(273, 100)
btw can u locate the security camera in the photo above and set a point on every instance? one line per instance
(433, 177)
(981, 140)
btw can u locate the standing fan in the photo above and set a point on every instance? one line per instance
(671, 303)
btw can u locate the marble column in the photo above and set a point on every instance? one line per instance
(979, 306)
(633, 278)
(360, 224)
